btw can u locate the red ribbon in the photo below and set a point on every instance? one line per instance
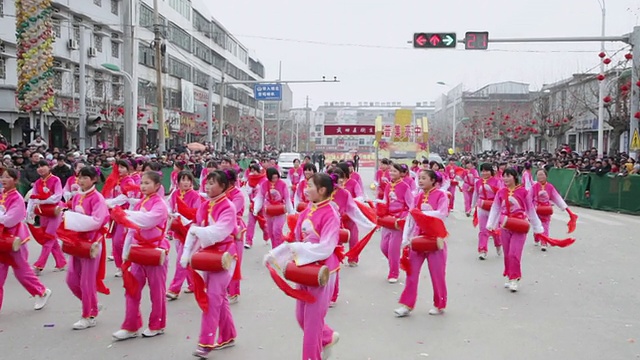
(573, 221)
(405, 264)
(73, 237)
(199, 290)
(561, 243)
(475, 218)
(39, 234)
(298, 294)
(355, 251)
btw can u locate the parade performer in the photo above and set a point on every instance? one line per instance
(351, 185)
(211, 248)
(14, 236)
(211, 167)
(236, 196)
(451, 171)
(516, 206)
(145, 254)
(382, 178)
(300, 200)
(296, 174)
(273, 194)
(182, 205)
(543, 194)
(82, 233)
(136, 174)
(72, 187)
(317, 234)
(254, 182)
(423, 241)
(178, 166)
(392, 211)
(468, 186)
(118, 189)
(485, 191)
(157, 168)
(406, 177)
(527, 177)
(45, 196)
(356, 176)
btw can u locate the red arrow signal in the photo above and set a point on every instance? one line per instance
(421, 40)
(435, 40)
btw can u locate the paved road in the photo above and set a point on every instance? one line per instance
(576, 303)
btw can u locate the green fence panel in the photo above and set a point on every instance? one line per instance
(615, 193)
(23, 188)
(106, 172)
(571, 185)
(630, 194)
(166, 179)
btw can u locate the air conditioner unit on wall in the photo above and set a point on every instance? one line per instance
(72, 44)
(92, 52)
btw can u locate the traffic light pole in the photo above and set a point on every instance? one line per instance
(82, 90)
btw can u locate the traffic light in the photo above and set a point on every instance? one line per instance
(93, 125)
(476, 40)
(434, 40)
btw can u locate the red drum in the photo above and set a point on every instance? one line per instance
(81, 249)
(301, 206)
(391, 222)
(46, 210)
(543, 210)
(426, 244)
(275, 210)
(516, 225)
(9, 243)
(211, 260)
(344, 237)
(486, 204)
(382, 209)
(147, 256)
(307, 275)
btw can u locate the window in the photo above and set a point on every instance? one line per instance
(115, 49)
(243, 56)
(318, 141)
(200, 79)
(57, 79)
(201, 24)
(116, 88)
(98, 88)
(146, 55)
(114, 7)
(76, 33)
(1, 8)
(56, 27)
(183, 7)
(97, 2)
(76, 84)
(318, 128)
(179, 37)
(329, 141)
(147, 19)
(97, 42)
(360, 141)
(3, 68)
(179, 69)
(219, 36)
(202, 51)
(172, 98)
(256, 67)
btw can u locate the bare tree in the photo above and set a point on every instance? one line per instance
(554, 111)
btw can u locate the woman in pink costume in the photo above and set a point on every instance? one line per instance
(527, 176)
(296, 174)
(514, 203)
(349, 184)
(12, 215)
(72, 186)
(215, 228)
(150, 217)
(468, 185)
(254, 182)
(317, 235)
(485, 191)
(274, 193)
(431, 201)
(300, 201)
(382, 178)
(237, 198)
(192, 200)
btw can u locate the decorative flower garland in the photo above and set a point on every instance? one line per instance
(34, 34)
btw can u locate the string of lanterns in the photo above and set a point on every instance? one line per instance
(34, 34)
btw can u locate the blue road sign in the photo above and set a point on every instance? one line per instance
(268, 92)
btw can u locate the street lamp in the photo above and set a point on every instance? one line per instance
(601, 87)
(455, 101)
(131, 120)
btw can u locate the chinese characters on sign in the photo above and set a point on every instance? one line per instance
(268, 92)
(349, 130)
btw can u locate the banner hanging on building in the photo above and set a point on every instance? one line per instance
(345, 130)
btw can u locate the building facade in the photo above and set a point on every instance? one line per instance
(199, 50)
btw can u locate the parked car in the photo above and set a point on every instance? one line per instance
(285, 162)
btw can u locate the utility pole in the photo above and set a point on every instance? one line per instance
(211, 86)
(130, 66)
(223, 91)
(278, 111)
(160, 92)
(601, 91)
(635, 92)
(308, 122)
(82, 90)
(262, 129)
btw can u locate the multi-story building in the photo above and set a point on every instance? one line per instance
(198, 51)
(361, 113)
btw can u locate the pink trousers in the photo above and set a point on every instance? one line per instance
(483, 235)
(513, 244)
(336, 287)
(181, 274)
(275, 224)
(234, 285)
(354, 236)
(468, 196)
(390, 246)
(218, 318)
(117, 244)
(546, 221)
(311, 318)
(81, 280)
(52, 246)
(452, 200)
(23, 273)
(437, 261)
(156, 276)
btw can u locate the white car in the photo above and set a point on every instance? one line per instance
(285, 162)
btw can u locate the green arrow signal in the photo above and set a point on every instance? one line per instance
(448, 40)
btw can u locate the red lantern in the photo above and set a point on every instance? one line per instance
(534, 121)
(628, 56)
(637, 115)
(565, 120)
(549, 121)
(205, 105)
(509, 130)
(600, 77)
(607, 99)
(504, 123)
(506, 117)
(606, 61)
(557, 124)
(501, 133)
(515, 136)
(602, 55)
(488, 123)
(490, 119)
(624, 88)
(149, 121)
(638, 83)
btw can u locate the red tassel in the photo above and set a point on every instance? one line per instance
(368, 211)
(129, 282)
(573, 221)
(429, 225)
(199, 290)
(475, 218)
(237, 274)
(405, 264)
(102, 268)
(292, 221)
(185, 210)
(119, 216)
(339, 252)
(561, 243)
(355, 251)
(297, 294)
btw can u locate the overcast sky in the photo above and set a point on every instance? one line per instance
(395, 71)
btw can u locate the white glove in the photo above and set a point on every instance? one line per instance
(268, 259)
(405, 242)
(184, 259)
(490, 228)
(538, 230)
(255, 213)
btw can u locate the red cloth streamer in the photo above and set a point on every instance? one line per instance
(41, 196)
(6, 258)
(429, 225)
(129, 282)
(237, 273)
(368, 211)
(297, 294)
(111, 183)
(127, 188)
(573, 221)
(292, 221)
(119, 216)
(102, 268)
(185, 210)
(459, 171)
(475, 218)
(254, 179)
(39, 234)
(199, 290)
(405, 264)
(339, 252)
(355, 251)
(561, 243)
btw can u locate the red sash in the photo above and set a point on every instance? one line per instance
(6, 257)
